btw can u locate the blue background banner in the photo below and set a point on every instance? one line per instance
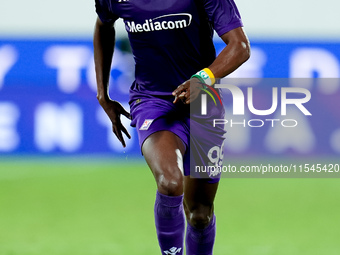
(48, 97)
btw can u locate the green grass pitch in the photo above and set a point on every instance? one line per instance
(104, 207)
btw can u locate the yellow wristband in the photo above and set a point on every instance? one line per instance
(211, 75)
(207, 76)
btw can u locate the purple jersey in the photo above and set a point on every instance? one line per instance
(170, 39)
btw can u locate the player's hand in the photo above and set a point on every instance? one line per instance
(114, 109)
(187, 91)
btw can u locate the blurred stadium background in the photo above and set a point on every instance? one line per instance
(67, 186)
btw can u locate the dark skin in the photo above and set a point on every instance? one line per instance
(163, 150)
(232, 56)
(103, 42)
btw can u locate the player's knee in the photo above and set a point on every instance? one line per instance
(200, 217)
(170, 184)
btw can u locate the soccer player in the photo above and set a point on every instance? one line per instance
(175, 58)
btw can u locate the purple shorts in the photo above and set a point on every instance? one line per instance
(203, 141)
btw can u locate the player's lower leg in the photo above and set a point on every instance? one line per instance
(170, 223)
(199, 196)
(200, 241)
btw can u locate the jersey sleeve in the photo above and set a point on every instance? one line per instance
(223, 15)
(105, 14)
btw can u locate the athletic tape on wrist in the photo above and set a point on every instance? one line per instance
(205, 76)
(198, 77)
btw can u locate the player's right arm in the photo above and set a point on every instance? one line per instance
(103, 45)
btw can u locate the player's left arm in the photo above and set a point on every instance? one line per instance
(234, 54)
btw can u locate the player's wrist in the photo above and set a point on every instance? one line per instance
(205, 76)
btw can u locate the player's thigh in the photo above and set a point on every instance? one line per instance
(163, 152)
